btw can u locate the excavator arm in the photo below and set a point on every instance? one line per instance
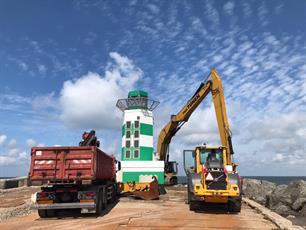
(213, 85)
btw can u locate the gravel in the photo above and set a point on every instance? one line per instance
(22, 210)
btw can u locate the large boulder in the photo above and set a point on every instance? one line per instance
(303, 211)
(288, 199)
(297, 189)
(279, 195)
(283, 209)
(257, 189)
(299, 203)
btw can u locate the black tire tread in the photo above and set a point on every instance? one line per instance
(42, 213)
(234, 206)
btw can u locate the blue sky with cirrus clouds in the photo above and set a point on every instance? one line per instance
(65, 64)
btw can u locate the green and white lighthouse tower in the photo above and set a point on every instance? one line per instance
(137, 153)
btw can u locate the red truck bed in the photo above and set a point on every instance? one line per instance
(71, 164)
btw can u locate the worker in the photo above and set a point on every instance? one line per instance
(212, 156)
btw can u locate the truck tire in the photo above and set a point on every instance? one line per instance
(51, 213)
(234, 205)
(42, 213)
(114, 194)
(99, 202)
(104, 198)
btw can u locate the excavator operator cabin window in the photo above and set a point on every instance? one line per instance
(208, 155)
(128, 124)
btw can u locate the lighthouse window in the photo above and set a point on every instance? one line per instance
(128, 124)
(136, 153)
(136, 124)
(136, 143)
(128, 144)
(128, 134)
(136, 133)
(128, 154)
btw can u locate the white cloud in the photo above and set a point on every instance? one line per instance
(23, 66)
(212, 13)
(45, 101)
(247, 10)
(42, 69)
(3, 138)
(153, 8)
(278, 157)
(263, 14)
(30, 142)
(12, 143)
(89, 102)
(229, 7)
(201, 127)
(13, 154)
(15, 157)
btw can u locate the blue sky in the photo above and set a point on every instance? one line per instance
(64, 65)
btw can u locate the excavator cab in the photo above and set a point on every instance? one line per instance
(209, 159)
(212, 158)
(171, 172)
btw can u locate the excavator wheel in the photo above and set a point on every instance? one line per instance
(192, 205)
(173, 181)
(234, 205)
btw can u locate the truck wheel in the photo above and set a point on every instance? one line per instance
(99, 203)
(114, 194)
(42, 213)
(234, 205)
(103, 198)
(51, 213)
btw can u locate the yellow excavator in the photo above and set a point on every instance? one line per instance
(211, 174)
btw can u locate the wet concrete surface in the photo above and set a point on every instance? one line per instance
(170, 212)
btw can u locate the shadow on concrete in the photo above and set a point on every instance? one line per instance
(212, 208)
(76, 213)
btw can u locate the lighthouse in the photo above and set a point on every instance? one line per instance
(138, 164)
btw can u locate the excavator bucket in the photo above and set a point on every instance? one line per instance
(151, 192)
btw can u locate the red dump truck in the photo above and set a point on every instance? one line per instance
(76, 178)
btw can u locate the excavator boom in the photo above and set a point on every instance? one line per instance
(213, 85)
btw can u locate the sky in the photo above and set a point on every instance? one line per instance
(64, 64)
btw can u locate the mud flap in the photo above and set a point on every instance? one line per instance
(150, 192)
